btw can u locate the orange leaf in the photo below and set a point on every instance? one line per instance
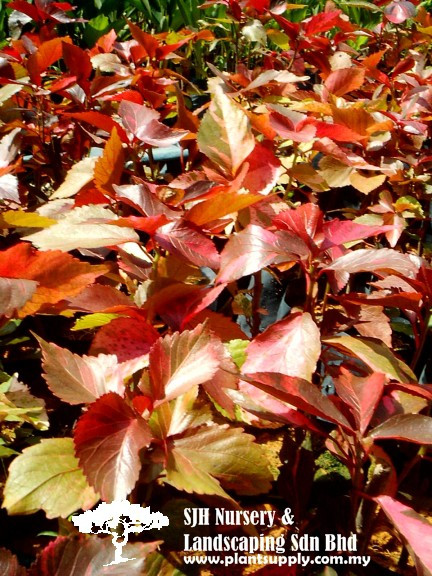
(147, 41)
(366, 184)
(109, 167)
(340, 82)
(58, 274)
(48, 53)
(221, 205)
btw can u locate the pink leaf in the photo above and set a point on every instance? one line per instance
(181, 361)
(291, 125)
(250, 250)
(143, 122)
(188, 244)
(338, 232)
(14, 293)
(361, 394)
(415, 530)
(399, 11)
(382, 260)
(108, 439)
(82, 379)
(291, 346)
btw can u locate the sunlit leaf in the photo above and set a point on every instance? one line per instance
(78, 176)
(374, 354)
(291, 346)
(415, 530)
(214, 458)
(225, 135)
(83, 227)
(47, 477)
(82, 379)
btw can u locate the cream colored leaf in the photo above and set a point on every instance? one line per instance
(78, 176)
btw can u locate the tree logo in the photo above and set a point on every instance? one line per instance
(119, 518)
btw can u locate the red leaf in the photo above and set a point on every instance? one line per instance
(143, 122)
(108, 438)
(340, 82)
(292, 125)
(415, 530)
(299, 393)
(129, 95)
(263, 170)
(222, 326)
(76, 556)
(403, 300)
(141, 197)
(361, 394)
(336, 132)
(147, 41)
(265, 406)
(290, 28)
(26, 8)
(99, 120)
(322, 22)
(9, 565)
(79, 64)
(399, 11)
(127, 338)
(415, 428)
(291, 346)
(98, 298)
(189, 244)
(306, 221)
(148, 225)
(178, 303)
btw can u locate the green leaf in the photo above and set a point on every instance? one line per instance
(18, 405)
(94, 320)
(208, 458)
(225, 135)
(237, 350)
(359, 4)
(47, 477)
(376, 355)
(409, 206)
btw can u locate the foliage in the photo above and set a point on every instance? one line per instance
(185, 274)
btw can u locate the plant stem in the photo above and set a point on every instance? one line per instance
(256, 300)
